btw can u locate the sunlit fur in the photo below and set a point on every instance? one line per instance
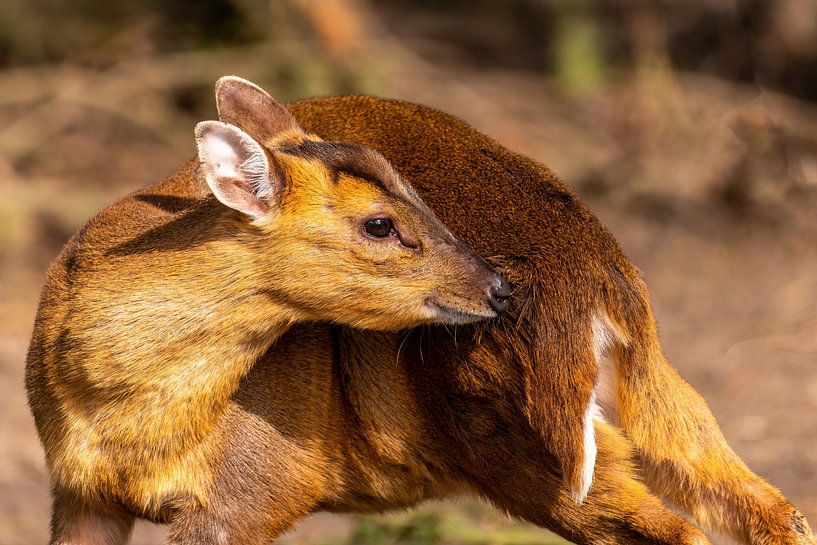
(157, 308)
(332, 418)
(499, 409)
(577, 296)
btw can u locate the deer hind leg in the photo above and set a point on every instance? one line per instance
(619, 509)
(686, 459)
(75, 522)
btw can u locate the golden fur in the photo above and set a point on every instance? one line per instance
(332, 418)
(157, 308)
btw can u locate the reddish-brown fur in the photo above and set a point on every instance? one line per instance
(159, 306)
(567, 268)
(335, 419)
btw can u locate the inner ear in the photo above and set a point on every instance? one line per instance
(235, 167)
(247, 106)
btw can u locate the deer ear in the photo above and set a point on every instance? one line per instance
(244, 104)
(235, 167)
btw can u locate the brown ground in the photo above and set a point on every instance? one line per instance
(710, 188)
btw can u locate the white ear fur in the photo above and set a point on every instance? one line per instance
(235, 167)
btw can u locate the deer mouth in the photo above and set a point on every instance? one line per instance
(443, 313)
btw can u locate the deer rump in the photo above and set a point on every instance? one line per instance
(572, 282)
(337, 419)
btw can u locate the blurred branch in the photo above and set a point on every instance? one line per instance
(134, 90)
(337, 23)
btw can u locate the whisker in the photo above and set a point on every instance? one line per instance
(422, 359)
(400, 348)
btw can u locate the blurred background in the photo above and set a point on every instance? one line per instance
(690, 127)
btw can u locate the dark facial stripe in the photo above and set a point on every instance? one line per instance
(352, 159)
(366, 164)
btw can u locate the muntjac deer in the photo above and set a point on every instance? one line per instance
(159, 306)
(519, 410)
(333, 418)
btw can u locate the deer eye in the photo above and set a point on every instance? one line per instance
(379, 228)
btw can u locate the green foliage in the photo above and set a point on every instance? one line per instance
(578, 57)
(422, 528)
(444, 524)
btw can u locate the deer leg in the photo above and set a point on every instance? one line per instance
(686, 459)
(618, 509)
(75, 522)
(242, 510)
(250, 501)
(241, 524)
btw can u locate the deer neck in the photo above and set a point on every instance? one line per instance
(232, 318)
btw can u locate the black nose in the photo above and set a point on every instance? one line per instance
(499, 295)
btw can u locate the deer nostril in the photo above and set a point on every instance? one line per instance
(499, 295)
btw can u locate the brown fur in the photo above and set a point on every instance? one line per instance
(336, 419)
(159, 306)
(566, 268)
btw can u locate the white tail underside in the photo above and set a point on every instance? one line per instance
(602, 400)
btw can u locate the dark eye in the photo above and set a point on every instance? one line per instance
(379, 227)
